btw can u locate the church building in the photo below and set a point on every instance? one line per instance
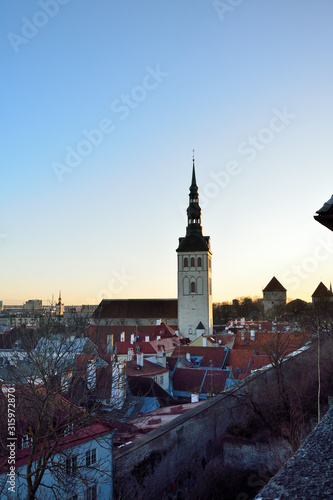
(195, 305)
(193, 311)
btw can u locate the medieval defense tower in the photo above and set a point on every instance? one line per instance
(195, 305)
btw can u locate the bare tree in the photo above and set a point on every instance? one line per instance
(43, 367)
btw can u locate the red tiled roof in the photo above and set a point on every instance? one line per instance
(136, 308)
(148, 369)
(145, 347)
(98, 333)
(200, 379)
(274, 286)
(258, 361)
(212, 356)
(183, 363)
(239, 358)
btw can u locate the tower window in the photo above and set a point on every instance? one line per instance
(199, 262)
(185, 262)
(192, 287)
(192, 262)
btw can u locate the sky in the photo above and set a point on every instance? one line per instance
(102, 104)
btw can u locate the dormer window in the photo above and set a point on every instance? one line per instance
(137, 348)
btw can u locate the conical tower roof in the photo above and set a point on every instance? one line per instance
(321, 291)
(274, 286)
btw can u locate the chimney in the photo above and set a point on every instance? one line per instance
(139, 358)
(129, 354)
(158, 322)
(243, 321)
(188, 356)
(122, 337)
(253, 334)
(194, 398)
(204, 341)
(158, 337)
(132, 338)
(176, 332)
(147, 338)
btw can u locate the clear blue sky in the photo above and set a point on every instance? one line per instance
(98, 213)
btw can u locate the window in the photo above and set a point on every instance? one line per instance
(199, 262)
(193, 287)
(137, 348)
(186, 286)
(185, 262)
(192, 262)
(199, 286)
(71, 465)
(91, 457)
(26, 441)
(91, 493)
(162, 379)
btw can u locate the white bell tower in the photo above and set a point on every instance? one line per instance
(195, 305)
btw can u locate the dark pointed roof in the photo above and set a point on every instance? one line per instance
(194, 181)
(200, 326)
(194, 240)
(321, 291)
(274, 286)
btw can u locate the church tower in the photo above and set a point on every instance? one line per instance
(195, 305)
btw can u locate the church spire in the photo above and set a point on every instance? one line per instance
(194, 181)
(194, 240)
(194, 210)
